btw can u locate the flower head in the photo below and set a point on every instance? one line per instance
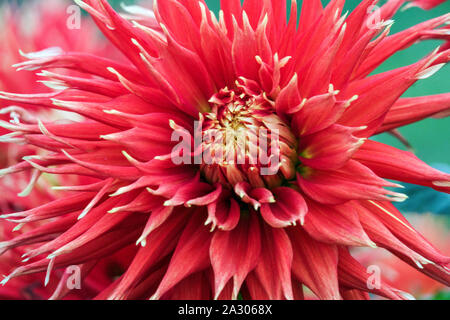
(41, 29)
(249, 123)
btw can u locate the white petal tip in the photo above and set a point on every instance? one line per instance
(445, 184)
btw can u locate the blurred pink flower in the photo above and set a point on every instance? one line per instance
(401, 275)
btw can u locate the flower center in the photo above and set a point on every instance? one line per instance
(244, 140)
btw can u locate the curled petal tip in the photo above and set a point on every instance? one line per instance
(399, 197)
(168, 203)
(115, 210)
(128, 157)
(427, 73)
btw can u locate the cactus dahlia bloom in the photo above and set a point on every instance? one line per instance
(265, 221)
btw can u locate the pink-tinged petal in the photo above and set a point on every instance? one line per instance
(440, 273)
(355, 24)
(231, 8)
(193, 74)
(162, 241)
(179, 21)
(275, 263)
(53, 209)
(227, 292)
(392, 44)
(253, 288)
(410, 110)
(353, 275)
(216, 47)
(42, 233)
(288, 208)
(106, 170)
(109, 21)
(287, 46)
(63, 289)
(144, 202)
(317, 113)
(403, 230)
(244, 51)
(329, 149)
(381, 91)
(425, 4)
(195, 193)
(244, 191)
(74, 233)
(139, 145)
(157, 218)
(224, 213)
(190, 256)
(310, 12)
(289, 99)
(100, 86)
(234, 254)
(315, 264)
(395, 164)
(194, 287)
(350, 54)
(103, 246)
(352, 181)
(315, 78)
(82, 62)
(262, 195)
(381, 235)
(101, 226)
(254, 10)
(336, 225)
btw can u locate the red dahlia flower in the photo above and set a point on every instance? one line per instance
(252, 125)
